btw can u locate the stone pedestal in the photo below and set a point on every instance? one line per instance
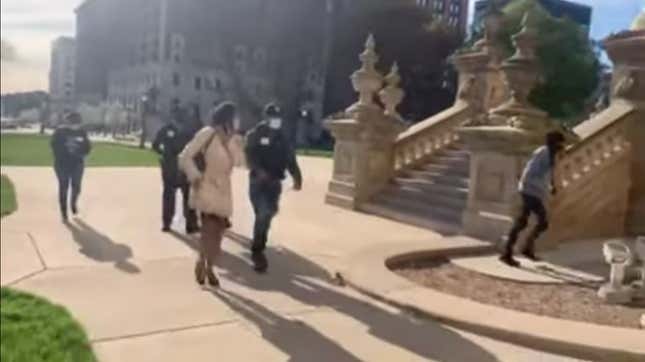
(498, 155)
(628, 84)
(363, 156)
(612, 295)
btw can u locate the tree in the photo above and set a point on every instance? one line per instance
(404, 33)
(570, 65)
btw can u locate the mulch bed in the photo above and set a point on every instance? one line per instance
(565, 301)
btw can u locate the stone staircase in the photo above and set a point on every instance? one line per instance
(432, 195)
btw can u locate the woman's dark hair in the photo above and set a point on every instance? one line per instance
(223, 114)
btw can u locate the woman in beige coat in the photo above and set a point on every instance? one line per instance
(208, 162)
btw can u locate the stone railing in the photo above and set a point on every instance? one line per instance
(593, 182)
(585, 159)
(425, 139)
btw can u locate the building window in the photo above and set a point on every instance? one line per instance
(218, 84)
(176, 80)
(198, 83)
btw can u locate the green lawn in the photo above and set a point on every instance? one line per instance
(7, 197)
(34, 330)
(34, 150)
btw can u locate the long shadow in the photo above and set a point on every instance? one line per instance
(189, 241)
(101, 248)
(298, 340)
(305, 281)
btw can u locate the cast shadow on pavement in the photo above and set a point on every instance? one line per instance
(101, 248)
(308, 283)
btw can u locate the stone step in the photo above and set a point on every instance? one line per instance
(428, 218)
(456, 152)
(447, 213)
(432, 187)
(446, 169)
(341, 188)
(411, 194)
(451, 161)
(439, 178)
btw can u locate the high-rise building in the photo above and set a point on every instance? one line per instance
(579, 13)
(62, 74)
(454, 13)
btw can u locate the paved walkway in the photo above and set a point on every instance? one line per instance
(132, 288)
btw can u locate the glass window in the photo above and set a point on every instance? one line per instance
(198, 83)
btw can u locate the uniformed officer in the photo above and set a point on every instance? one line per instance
(169, 142)
(269, 154)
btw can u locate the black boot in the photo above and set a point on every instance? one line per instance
(509, 260)
(260, 262)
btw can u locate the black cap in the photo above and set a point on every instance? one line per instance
(554, 138)
(272, 110)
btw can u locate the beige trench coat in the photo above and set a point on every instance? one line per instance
(211, 191)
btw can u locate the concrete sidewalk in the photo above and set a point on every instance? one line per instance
(132, 286)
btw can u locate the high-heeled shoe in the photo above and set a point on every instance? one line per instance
(212, 279)
(200, 273)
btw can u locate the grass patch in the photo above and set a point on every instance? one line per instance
(34, 330)
(7, 197)
(34, 150)
(315, 153)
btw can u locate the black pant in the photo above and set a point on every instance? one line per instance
(265, 198)
(69, 175)
(168, 204)
(530, 204)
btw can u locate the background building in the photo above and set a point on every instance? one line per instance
(454, 13)
(579, 13)
(62, 75)
(200, 52)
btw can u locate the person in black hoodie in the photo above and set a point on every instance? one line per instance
(169, 142)
(269, 154)
(70, 146)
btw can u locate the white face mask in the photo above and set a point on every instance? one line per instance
(275, 123)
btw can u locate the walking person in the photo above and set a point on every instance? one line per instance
(70, 145)
(208, 162)
(169, 142)
(269, 154)
(536, 180)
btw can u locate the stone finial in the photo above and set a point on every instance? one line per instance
(526, 40)
(367, 81)
(392, 95)
(639, 22)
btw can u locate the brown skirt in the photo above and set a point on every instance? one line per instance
(213, 228)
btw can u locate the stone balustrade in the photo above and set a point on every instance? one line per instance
(424, 140)
(583, 160)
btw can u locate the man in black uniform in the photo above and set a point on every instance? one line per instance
(70, 146)
(169, 142)
(269, 154)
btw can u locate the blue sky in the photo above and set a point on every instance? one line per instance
(31, 25)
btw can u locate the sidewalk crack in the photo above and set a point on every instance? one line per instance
(165, 331)
(35, 246)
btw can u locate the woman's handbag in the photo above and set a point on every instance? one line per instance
(200, 159)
